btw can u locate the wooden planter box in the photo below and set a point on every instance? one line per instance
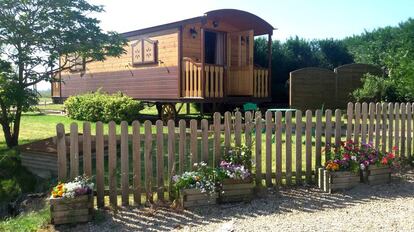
(194, 197)
(333, 181)
(377, 175)
(236, 191)
(68, 210)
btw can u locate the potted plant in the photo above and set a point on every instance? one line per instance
(72, 202)
(377, 166)
(196, 188)
(235, 175)
(341, 169)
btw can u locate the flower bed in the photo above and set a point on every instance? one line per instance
(234, 171)
(72, 202)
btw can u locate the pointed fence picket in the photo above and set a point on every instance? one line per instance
(286, 148)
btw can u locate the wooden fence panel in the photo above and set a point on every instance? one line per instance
(390, 126)
(377, 125)
(61, 152)
(160, 159)
(371, 114)
(124, 163)
(74, 150)
(318, 138)
(308, 146)
(278, 148)
(299, 126)
(258, 150)
(269, 126)
(237, 128)
(217, 138)
(409, 129)
(148, 161)
(397, 128)
(112, 164)
(357, 122)
(100, 185)
(403, 124)
(181, 147)
(384, 126)
(193, 143)
(350, 117)
(87, 156)
(364, 122)
(338, 127)
(136, 159)
(288, 133)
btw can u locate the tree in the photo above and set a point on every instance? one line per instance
(39, 38)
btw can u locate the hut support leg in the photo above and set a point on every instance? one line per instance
(188, 108)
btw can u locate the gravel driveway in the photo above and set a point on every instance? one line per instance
(378, 208)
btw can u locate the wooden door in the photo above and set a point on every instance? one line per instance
(240, 63)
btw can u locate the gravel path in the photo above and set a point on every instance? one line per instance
(384, 207)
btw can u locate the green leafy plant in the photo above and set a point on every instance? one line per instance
(99, 106)
(240, 155)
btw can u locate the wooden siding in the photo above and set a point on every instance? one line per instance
(154, 83)
(167, 53)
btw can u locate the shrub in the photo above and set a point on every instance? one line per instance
(103, 107)
(376, 89)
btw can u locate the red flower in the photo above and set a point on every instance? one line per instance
(395, 148)
(384, 161)
(390, 156)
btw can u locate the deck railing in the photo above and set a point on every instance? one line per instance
(260, 82)
(214, 75)
(191, 79)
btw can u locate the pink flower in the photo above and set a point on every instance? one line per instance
(395, 148)
(347, 157)
(390, 156)
(384, 161)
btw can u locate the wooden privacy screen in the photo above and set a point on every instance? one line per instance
(287, 149)
(319, 88)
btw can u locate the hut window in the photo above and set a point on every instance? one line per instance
(144, 51)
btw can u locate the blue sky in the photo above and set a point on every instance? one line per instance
(308, 19)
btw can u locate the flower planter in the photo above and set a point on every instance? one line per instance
(71, 210)
(236, 191)
(194, 197)
(377, 175)
(333, 181)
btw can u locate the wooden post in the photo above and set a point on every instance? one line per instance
(278, 144)
(171, 155)
(409, 130)
(308, 146)
(397, 128)
(61, 152)
(390, 126)
(160, 160)
(193, 143)
(217, 138)
(357, 122)
(371, 114)
(318, 138)
(74, 150)
(124, 163)
(112, 164)
(269, 55)
(204, 131)
(328, 129)
(227, 130)
(87, 157)
(403, 117)
(384, 127)
(136, 156)
(299, 125)
(364, 122)
(100, 165)
(237, 128)
(268, 148)
(288, 133)
(148, 161)
(181, 146)
(377, 125)
(258, 120)
(350, 116)
(338, 125)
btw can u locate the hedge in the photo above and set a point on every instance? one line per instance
(99, 106)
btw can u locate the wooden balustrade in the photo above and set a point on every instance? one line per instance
(214, 80)
(191, 79)
(260, 82)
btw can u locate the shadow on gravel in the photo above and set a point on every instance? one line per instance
(299, 199)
